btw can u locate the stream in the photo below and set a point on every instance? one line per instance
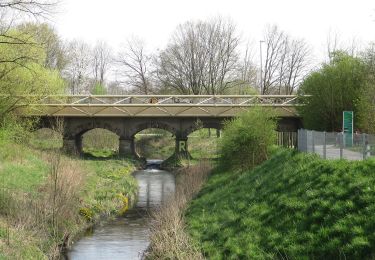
(127, 237)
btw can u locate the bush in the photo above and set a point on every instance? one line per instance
(12, 129)
(333, 88)
(246, 139)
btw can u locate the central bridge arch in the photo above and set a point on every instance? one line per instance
(154, 143)
(153, 124)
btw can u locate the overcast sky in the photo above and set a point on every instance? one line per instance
(155, 20)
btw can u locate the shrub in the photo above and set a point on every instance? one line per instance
(246, 139)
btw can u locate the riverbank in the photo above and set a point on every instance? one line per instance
(47, 198)
(293, 205)
(168, 238)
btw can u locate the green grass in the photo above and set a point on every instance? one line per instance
(106, 183)
(99, 153)
(24, 174)
(293, 206)
(201, 145)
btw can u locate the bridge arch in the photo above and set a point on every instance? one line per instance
(73, 135)
(218, 125)
(82, 128)
(154, 143)
(152, 124)
(98, 142)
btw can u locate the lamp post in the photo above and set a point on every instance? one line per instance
(261, 67)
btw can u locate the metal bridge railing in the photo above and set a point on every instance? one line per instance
(156, 105)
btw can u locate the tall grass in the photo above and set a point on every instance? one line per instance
(169, 239)
(47, 198)
(50, 213)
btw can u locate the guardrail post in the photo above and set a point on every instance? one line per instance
(325, 145)
(341, 140)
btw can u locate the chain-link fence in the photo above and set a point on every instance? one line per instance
(333, 145)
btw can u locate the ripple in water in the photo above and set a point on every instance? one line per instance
(127, 237)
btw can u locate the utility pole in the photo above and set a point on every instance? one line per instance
(261, 67)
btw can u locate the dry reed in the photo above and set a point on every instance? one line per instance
(52, 213)
(169, 238)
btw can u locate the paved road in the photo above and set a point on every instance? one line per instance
(333, 152)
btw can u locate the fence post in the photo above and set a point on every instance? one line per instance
(368, 148)
(364, 148)
(341, 140)
(313, 140)
(299, 131)
(325, 145)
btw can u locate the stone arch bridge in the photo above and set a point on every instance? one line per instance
(128, 115)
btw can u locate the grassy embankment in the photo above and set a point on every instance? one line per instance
(293, 206)
(46, 198)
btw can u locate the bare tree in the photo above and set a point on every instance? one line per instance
(333, 43)
(246, 78)
(201, 57)
(274, 39)
(296, 65)
(286, 62)
(78, 68)
(135, 66)
(101, 61)
(35, 8)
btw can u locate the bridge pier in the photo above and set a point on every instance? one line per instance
(126, 146)
(72, 146)
(181, 148)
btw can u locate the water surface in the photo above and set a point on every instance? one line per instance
(127, 237)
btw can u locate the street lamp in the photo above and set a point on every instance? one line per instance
(261, 66)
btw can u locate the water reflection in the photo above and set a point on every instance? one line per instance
(127, 237)
(154, 187)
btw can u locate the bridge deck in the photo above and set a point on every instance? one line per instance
(156, 105)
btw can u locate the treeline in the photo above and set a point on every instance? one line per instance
(202, 57)
(345, 83)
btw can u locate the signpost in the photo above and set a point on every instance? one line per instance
(347, 127)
